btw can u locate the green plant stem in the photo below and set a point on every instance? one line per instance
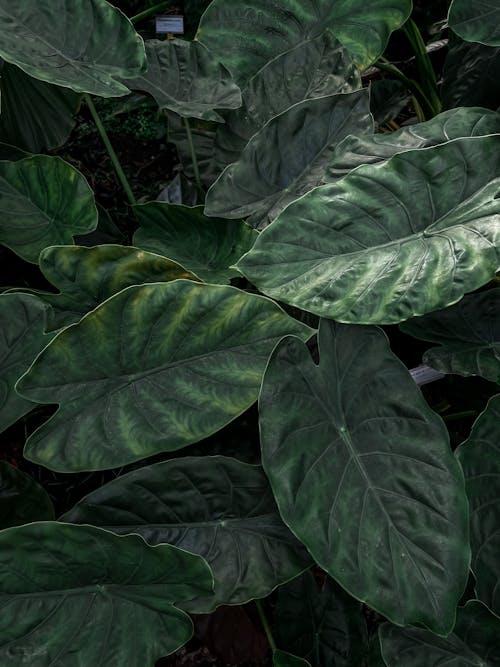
(411, 84)
(424, 64)
(151, 11)
(460, 415)
(265, 624)
(193, 154)
(111, 151)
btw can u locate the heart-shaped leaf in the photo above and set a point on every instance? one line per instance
(71, 595)
(44, 201)
(468, 334)
(22, 500)
(479, 457)
(470, 76)
(477, 21)
(205, 246)
(189, 359)
(87, 46)
(363, 474)
(283, 659)
(22, 337)
(183, 77)
(214, 506)
(232, 28)
(475, 642)
(388, 241)
(263, 181)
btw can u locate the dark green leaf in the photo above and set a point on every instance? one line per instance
(203, 137)
(470, 76)
(22, 500)
(363, 474)
(477, 21)
(11, 153)
(387, 98)
(283, 659)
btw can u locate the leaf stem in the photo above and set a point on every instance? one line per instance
(411, 84)
(150, 11)
(265, 624)
(193, 154)
(424, 64)
(459, 415)
(111, 151)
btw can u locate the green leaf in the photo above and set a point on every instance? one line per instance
(324, 625)
(190, 359)
(363, 474)
(283, 659)
(214, 506)
(183, 77)
(311, 69)
(475, 642)
(86, 46)
(36, 116)
(22, 500)
(205, 246)
(246, 34)
(22, 337)
(203, 137)
(468, 335)
(476, 22)
(44, 201)
(479, 457)
(388, 241)
(11, 153)
(470, 76)
(287, 157)
(76, 595)
(387, 99)
(355, 151)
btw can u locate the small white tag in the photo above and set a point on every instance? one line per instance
(170, 24)
(424, 375)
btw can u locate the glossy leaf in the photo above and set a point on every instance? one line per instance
(22, 500)
(232, 28)
(43, 201)
(22, 337)
(205, 246)
(283, 659)
(190, 359)
(363, 474)
(36, 116)
(214, 506)
(263, 181)
(475, 642)
(87, 46)
(388, 241)
(468, 334)
(470, 76)
(324, 625)
(477, 21)
(75, 595)
(182, 76)
(479, 457)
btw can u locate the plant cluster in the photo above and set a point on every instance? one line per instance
(304, 224)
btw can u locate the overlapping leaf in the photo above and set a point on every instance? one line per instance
(363, 474)
(205, 246)
(389, 241)
(470, 76)
(479, 457)
(22, 500)
(44, 201)
(284, 659)
(76, 595)
(203, 139)
(468, 334)
(264, 181)
(216, 507)
(154, 368)
(477, 21)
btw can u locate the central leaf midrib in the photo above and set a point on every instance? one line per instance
(209, 524)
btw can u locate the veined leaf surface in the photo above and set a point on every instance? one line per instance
(154, 368)
(217, 507)
(72, 595)
(22, 499)
(470, 76)
(363, 474)
(388, 241)
(477, 21)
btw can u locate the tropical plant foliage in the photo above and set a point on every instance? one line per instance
(304, 228)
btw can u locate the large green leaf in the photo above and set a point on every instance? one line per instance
(470, 76)
(287, 157)
(355, 151)
(205, 246)
(284, 659)
(154, 368)
(203, 139)
(479, 457)
(246, 34)
(86, 46)
(22, 337)
(183, 77)
(388, 241)
(363, 474)
(22, 500)
(214, 506)
(78, 595)
(475, 642)
(313, 68)
(468, 334)
(43, 201)
(36, 116)
(477, 21)
(324, 625)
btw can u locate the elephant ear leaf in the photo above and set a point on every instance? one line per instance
(476, 21)
(363, 474)
(22, 499)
